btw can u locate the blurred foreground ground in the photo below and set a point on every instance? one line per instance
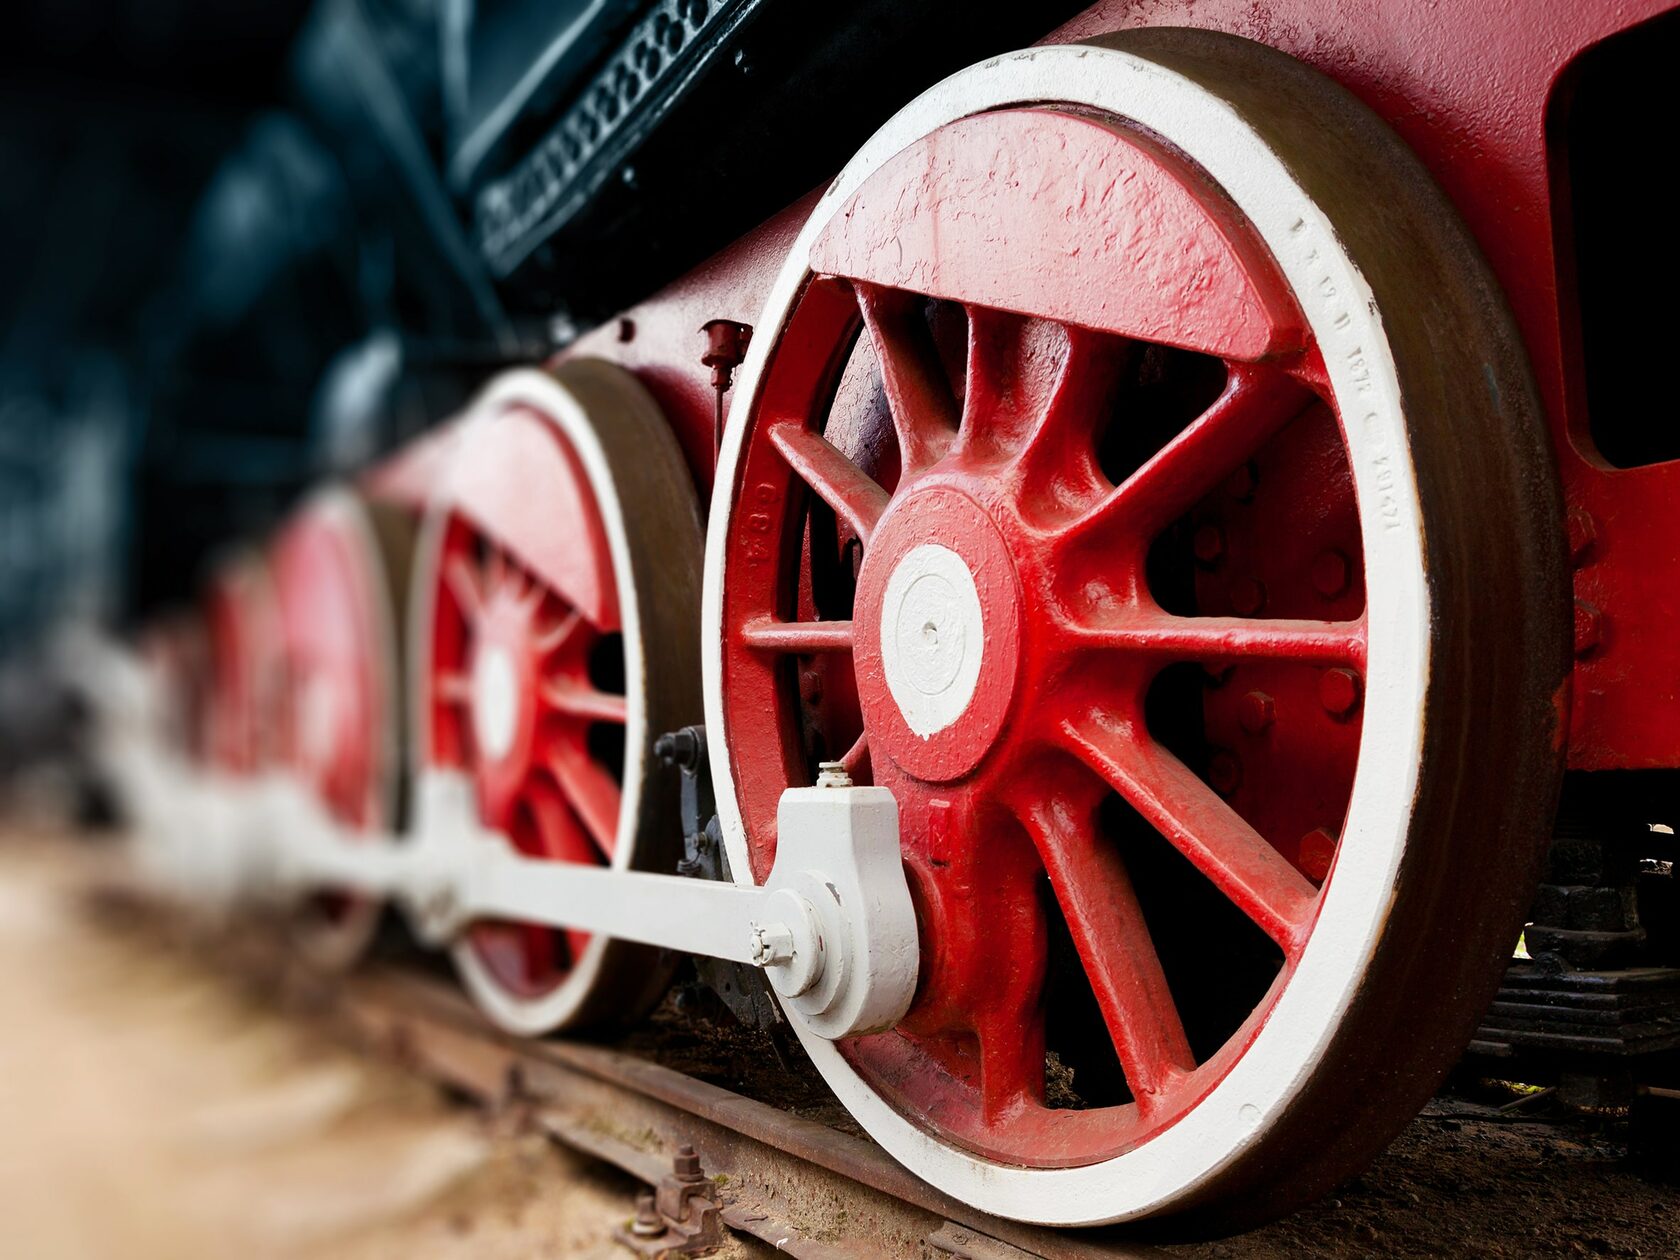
(151, 1109)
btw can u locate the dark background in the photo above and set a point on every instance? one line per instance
(244, 246)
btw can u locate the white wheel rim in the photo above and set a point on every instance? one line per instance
(1340, 309)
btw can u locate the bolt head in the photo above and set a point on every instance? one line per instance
(1255, 712)
(832, 774)
(1589, 627)
(1248, 596)
(1339, 690)
(648, 1223)
(770, 945)
(1318, 848)
(1583, 533)
(1208, 544)
(1224, 773)
(1241, 484)
(686, 1164)
(1332, 573)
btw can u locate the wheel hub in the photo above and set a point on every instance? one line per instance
(495, 700)
(938, 619)
(932, 637)
(502, 680)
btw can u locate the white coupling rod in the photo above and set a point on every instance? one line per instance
(832, 925)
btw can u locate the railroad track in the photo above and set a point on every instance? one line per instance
(801, 1186)
(786, 1180)
(1465, 1174)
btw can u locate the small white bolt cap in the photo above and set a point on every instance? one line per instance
(771, 943)
(832, 774)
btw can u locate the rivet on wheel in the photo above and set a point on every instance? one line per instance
(1583, 533)
(1208, 545)
(1339, 691)
(1224, 773)
(1318, 847)
(1331, 573)
(1255, 712)
(1589, 627)
(1248, 596)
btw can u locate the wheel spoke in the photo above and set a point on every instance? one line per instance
(1108, 929)
(574, 700)
(498, 570)
(1061, 447)
(1007, 383)
(527, 592)
(453, 688)
(1167, 638)
(551, 639)
(924, 411)
(590, 789)
(1037, 391)
(851, 492)
(1011, 1064)
(797, 637)
(463, 582)
(1256, 404)
(1216, 840)
(856, 760)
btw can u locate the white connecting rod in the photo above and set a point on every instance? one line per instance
(832, 926)
(454, 871)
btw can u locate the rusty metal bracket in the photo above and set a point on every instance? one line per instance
(679, 1217)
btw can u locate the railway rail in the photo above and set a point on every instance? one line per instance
(789, 1175)
(798, 1184)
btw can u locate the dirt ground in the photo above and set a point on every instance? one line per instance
(1466, 1180)
(152, 1110)
(1492, 1169)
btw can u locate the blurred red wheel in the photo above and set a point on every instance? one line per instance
(340, 570)
(557, 604)
(242, 629)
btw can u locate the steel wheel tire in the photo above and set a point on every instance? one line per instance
(1465, 642)
(621, 520)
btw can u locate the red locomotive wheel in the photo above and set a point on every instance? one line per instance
(557, 604)
(1136, 472)
(340, 574)
(246, 669)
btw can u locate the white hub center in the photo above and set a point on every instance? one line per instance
(495, 692)
(932, 637)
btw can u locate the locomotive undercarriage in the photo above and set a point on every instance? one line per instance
(1208, 575)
